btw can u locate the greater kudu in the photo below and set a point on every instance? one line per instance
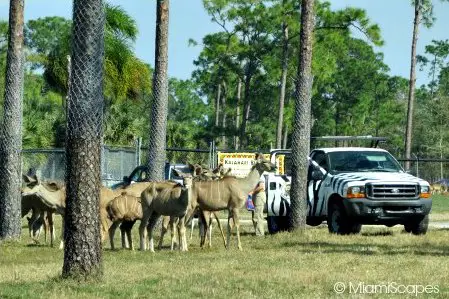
(228, 193)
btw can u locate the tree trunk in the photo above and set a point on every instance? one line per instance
(284, 144)
(283, 82)
(82, 252)
(11, 135)
(411, 91)
(246, 105)
(217, 106)
(237, 114)
(301, 124)
(223, 120)
(159, 111)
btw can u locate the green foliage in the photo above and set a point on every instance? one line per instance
(126, 78)
(353, 94)
(187, 116)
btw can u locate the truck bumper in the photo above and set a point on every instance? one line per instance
(389, 212)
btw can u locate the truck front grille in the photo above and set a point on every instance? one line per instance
(392, 191)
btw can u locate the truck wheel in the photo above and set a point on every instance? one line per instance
(418, 227)
(407, 228)
(273, 226)
(314, 221)
(339, 223)
(355, 228)
(277, 224)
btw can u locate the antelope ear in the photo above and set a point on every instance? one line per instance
(53, 186)
(218, 169)
(26, 178)
(198, 169)
(179, 173)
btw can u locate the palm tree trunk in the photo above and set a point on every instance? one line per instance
(411, 91)
(301, 124)
(237, 114)
(283, 82)
(82, 252)
(159, 111)
(11, 129)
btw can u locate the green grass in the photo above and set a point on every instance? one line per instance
(440, 207)
(286, 265)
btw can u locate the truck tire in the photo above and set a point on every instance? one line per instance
(339, 223)
(418, 227)
(314, 221)
(272, 225)
(277, 224)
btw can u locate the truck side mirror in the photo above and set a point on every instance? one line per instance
(317, 175)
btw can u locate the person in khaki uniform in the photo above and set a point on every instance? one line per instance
(259, 199)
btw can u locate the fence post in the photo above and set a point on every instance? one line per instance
(417, 164)
(138, 152)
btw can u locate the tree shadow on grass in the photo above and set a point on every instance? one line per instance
(366, 249)
(377, 234)
(38, 244)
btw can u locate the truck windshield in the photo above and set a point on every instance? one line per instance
(362, 161)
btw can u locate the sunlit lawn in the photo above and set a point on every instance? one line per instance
(286, 265)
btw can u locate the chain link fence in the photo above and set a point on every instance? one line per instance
(430, 169)
(116, 162)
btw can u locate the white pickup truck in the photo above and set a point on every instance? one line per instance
(351, 186)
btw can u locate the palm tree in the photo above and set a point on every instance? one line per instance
(11, 134)
(301, 125)
(159, 110)
(82, 254)
(120, 64)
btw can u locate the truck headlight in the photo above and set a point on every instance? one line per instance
(424, 192)
(356, 192)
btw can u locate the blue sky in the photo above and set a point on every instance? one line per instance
(189, 20)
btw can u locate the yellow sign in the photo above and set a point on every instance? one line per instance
(280, 164)
(241, 163)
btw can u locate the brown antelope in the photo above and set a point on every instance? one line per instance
(43, 198)
(167, 199)
(228, 193)
(437, 188)
(50, 198)
(125, 209)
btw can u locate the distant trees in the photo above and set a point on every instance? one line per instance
(238, 79)
(246, 64)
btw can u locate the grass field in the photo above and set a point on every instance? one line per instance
(286, 265)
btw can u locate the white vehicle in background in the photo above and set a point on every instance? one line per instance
(349, 187)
